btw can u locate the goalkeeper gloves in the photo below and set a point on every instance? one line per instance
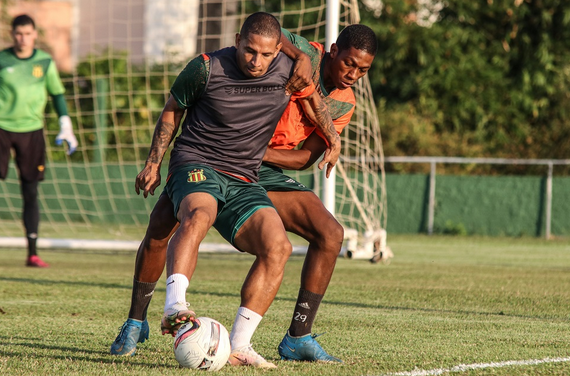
(66, 134)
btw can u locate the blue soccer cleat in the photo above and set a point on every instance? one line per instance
(304, 348)
(132, 332)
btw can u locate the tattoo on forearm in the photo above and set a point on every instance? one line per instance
(324, 118)
(161, 138)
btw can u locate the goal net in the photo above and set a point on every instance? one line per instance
(118, 60)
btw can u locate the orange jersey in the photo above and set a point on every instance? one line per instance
(294, 127)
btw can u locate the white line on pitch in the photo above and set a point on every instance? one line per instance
(467, 367)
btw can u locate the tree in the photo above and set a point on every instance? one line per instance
(491, 78)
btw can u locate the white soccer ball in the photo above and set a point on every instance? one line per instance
(204, 344)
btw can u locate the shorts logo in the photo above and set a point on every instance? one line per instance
(196, 175)
(295, 182)
(37, 71)
(41, 168)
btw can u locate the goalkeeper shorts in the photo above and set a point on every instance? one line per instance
(30, 149)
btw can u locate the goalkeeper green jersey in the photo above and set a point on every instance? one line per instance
(24, 85)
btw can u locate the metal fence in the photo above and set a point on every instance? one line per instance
(433, 161)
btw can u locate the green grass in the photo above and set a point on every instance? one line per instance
(442, 302)
(55, 230)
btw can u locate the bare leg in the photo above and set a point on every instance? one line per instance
(151, 256)
(150, 261)
(196, 215)
(303, 214)
(263, 235)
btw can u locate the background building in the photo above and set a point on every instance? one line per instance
(145, 29)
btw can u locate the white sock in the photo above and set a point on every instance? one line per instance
(176, 286)
(244, 326)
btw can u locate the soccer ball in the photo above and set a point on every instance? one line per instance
(203, 344)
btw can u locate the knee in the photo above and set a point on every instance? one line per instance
(29, 191)
(154, 245)
(197, 217)
(196, 222)
(160, 228)
(329, 235)
(337, 232)
(277, 253)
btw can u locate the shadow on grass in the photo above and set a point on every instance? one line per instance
(237, 294)
(47, 282)
(76, 354)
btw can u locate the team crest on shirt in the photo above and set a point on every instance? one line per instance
(37, 71)
(196, 175)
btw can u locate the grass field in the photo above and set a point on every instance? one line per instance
(441, 303)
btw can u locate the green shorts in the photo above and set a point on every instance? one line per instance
(273, 179)
(237, 199)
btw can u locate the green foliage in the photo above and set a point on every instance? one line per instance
(116, 104)
(492, 75)
(307, 23)
(452, 228)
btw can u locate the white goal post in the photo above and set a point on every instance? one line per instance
(122, 68)
(370, 244)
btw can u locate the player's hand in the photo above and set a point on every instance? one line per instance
(330, 158)
(66, 134)
(302, 75)
(148, 179)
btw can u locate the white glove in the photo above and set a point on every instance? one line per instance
(66, 134)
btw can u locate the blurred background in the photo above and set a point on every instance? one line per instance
(455, 78)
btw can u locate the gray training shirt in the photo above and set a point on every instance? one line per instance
(230, 117)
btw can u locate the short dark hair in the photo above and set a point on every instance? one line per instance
(23, 20)
(358, 36)
(261, 23)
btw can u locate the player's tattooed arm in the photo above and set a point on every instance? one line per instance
(164, 132)
(302, 70)
(163, 135)
(317, 112)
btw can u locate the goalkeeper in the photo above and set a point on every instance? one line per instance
(27, 74)
(299, 208)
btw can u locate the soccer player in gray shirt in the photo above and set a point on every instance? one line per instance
(233, 99)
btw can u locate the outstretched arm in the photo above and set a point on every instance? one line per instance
(164, 132)
(301, 159)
